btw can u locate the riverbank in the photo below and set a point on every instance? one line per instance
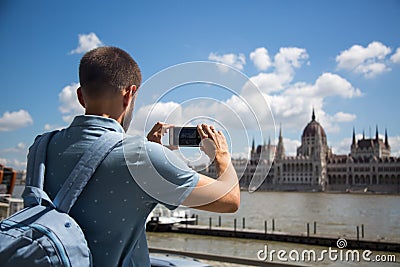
(249, 249)
(328, 241)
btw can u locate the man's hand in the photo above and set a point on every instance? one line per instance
(215, 146)
(158, 131)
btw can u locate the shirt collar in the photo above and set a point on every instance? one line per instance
(93, 120)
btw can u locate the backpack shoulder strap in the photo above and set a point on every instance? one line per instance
(33, 193)
(84, 169)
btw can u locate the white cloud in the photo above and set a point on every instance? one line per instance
(234, 113)
(344, 117)
(285, 62)
(189, 113)
(395, 58)
(70, 106)
(368, 61)
(145, 117)
(260, 58)
(15, 157)
(231, 115)
(292, 106)
(13, 163)
(394, 142)
(243, 154)
(291, 103)
(20, 148)
(11, 121)
(290, 146)
(87, 42)
(329, 84)
(371, 70)
(331, 122)
(51, 127)
(268, 82)
(342, 147)
(236, 61)
(288, 59)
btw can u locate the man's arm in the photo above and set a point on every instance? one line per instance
(216, 195)
(221, 194)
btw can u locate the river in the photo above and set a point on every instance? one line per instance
(334, 214)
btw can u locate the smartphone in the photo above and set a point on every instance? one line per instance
(184, 136)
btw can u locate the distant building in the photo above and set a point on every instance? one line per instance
(369, 166)
(370, 147)
(21, 177)
(306, 170)
(7, 180)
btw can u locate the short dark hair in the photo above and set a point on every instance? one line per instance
(107, 66)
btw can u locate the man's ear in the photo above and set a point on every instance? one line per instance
(80, 97)
(128, 94)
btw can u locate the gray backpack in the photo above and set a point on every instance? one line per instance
(43, 234)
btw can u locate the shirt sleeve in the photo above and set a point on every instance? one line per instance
(159, 172)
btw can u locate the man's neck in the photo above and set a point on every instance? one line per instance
(105, 115)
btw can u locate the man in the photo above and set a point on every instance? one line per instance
(125, 188)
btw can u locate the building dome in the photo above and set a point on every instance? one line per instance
(313, 127)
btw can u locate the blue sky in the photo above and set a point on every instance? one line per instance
(340, 57)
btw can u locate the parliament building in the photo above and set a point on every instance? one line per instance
(369, 167)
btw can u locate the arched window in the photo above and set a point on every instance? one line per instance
(387, 179)
(367, 179)
(362, 179)
(333, 179)
(381, 180)
(374, 181)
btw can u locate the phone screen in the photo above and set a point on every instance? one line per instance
(184, 136)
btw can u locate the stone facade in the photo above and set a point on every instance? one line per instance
(368, 167)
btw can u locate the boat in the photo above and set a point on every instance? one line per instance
(157, 224)
(161, 219)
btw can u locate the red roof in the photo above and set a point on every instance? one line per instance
(312, 129)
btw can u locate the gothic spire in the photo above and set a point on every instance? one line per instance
(280, 151)
(313, 115)
(253, 146)
(376, 133)
(354, 137)
(386, 138)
